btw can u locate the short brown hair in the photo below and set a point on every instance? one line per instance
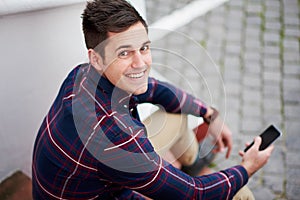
(103, 16)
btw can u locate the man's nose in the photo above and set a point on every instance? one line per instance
(138, 60)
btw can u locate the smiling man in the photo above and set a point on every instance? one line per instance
(127, 60)
(92, 144)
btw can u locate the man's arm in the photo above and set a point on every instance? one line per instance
(172, 99)
(130, 161)
(175, 100)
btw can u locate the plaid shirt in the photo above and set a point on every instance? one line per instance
(92, 145)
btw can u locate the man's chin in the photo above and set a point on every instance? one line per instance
(141, 90)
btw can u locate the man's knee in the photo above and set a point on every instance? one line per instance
(244, 194)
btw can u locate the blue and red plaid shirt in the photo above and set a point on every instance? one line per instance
(92, 145)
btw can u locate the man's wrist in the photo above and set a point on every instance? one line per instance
(250, 171)
(211, 115)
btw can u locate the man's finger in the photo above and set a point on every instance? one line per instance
(241, 153)
(228, 152)
(270, 149)
(229, 146)
(218, 146)
(257, 142)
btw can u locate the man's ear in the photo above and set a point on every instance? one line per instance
(96, 60)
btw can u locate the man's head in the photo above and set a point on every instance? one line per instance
(118, 44)
(103, 16)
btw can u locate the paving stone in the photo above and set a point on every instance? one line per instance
(263, 193)
(271, 37)
(254, 20)
(273, 76)
(252, 111)
(292, 111)
(232, 118)
(252, 32)
(253, 44)
(292, 32)
(252, 81)
(233, 36)
(232, 76)
(269, 118)
(291, 96)
(236, 4)
(233, 48)
(292, 191)
(253, 8)
(235, 14)
(251, 96)
(252, 55)
(273, 63)
(251, 126)
(291, 69)
(252, 67)
(254, 183)
(291, 83)
(293, 174)
(234, 25)
(272, 5)
(232, 63)
(291, 44)
(233, 89)
(292, 159)
(272, 14)
(275, 183)
(275, 165)
(291, 57)
(293, 184)
(273, 26)
(291, 19)
(271, 90)
(272, 105)
(273, 51)
(292, 134)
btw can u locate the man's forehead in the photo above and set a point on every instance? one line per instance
(132, 37)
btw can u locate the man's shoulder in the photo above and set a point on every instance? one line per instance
(78, 70)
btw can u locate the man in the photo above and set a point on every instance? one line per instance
(92, 144)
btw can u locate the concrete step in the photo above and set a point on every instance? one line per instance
(16, 187)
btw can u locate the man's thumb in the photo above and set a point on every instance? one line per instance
(257, 142)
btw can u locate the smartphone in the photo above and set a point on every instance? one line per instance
(268, 136)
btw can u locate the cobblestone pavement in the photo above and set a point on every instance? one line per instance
(255, 82)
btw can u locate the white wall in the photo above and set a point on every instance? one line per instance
(37, 50)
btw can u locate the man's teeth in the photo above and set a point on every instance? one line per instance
(139, 75)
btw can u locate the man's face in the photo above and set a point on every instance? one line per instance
(128, 60)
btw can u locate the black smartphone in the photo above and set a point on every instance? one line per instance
(268, 136)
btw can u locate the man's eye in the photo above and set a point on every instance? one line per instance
(123, 54)
(145, 48)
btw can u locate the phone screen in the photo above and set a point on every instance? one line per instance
(268, 136)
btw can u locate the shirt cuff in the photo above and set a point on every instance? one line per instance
(244, 173)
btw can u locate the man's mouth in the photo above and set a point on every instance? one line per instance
(136, 75)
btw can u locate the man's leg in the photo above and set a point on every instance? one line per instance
(170, 132)
(165, 130)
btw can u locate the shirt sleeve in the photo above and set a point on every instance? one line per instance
(130, 161)
(172, 99)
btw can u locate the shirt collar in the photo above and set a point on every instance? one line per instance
(117, 95)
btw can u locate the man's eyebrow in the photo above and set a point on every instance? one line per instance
(130, 46)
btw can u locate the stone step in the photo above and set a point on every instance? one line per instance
(16, 187)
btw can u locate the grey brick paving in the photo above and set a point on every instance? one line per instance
(255, 45)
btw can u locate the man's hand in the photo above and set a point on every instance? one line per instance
(222, 135)
(254, 159)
